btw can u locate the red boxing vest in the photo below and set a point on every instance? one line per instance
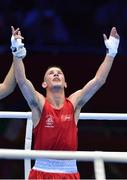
(56, 129)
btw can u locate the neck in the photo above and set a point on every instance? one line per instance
(56, 99)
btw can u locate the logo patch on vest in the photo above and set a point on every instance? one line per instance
(49, 121)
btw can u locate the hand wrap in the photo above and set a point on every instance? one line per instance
(17, 47)
(112, 45)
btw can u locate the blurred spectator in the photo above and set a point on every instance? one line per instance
(48, 24)
(12, 136)
(113, 13)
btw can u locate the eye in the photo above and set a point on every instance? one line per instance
(59, 72)
(51, 72)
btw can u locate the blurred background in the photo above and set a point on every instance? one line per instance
(68, 34)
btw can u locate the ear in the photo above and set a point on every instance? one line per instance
(44, 84)
(65, 85)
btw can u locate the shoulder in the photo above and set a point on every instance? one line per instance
(69, 103)
(74, 98)
(40, 101)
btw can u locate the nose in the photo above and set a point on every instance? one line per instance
(56, 75)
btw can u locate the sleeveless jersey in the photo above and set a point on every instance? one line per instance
(56, 129)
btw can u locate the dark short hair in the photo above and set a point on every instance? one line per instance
(53, 66)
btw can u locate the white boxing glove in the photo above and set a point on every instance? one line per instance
(112, 45)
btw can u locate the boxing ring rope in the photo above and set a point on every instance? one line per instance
(92, 116)
(98, 157)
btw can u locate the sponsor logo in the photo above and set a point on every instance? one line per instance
(67, 117)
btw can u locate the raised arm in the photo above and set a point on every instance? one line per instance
(32, 97)
(9, 84)
(80, 97)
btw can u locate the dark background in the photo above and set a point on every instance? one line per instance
(68, 34)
